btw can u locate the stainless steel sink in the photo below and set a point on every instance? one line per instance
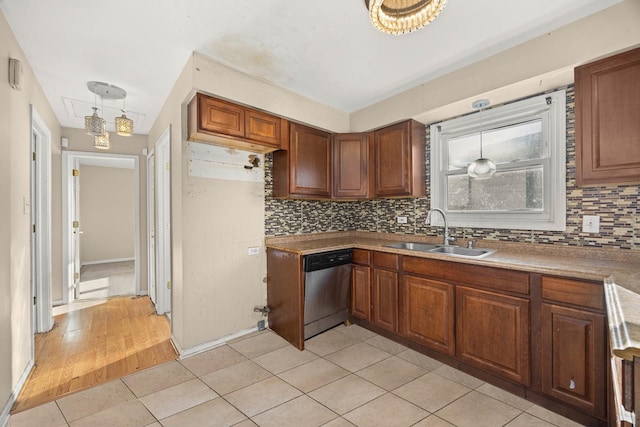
(424, 247)
(441, 249)
(463, 252)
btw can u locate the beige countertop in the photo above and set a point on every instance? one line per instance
(618, 269)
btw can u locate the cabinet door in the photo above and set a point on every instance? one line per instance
(309, 161)
(393, 160)
(351, 165)
(428, 307)
(385, 299)
(492, 333)
(607, 108)
(220, 116)
(361, 292)
(285, 295)
(262, 127)
(573, 357)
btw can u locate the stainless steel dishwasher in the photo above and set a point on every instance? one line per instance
(327, 284)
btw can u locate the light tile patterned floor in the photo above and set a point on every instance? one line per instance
(348, 376)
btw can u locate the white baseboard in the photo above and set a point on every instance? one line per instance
(183, 353)
(4, 416)
(143, 293)
(106, 261)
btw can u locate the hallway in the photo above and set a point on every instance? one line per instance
(102, 342)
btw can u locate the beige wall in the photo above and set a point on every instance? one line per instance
(79, 141)
(107, 213)
(15, 146)
(202, 291)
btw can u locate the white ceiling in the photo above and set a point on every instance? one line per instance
(325, 50)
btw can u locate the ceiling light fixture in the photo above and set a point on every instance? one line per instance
(102, 141)
(124, 125)
(94, 124)
(403, 16)
(481, 168)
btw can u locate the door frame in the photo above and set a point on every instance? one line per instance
(40, 197)
(151, 225)
(69, 160)
(162, 149)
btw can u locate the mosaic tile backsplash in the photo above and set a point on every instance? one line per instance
(617, 207)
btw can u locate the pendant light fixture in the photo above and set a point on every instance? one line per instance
(102, 141)
(403, 16)
(94, 125)
(124, 125)
(481, 168)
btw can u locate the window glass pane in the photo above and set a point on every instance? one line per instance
(513, 190)
(522, 141)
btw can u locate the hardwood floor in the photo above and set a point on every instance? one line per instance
(95, 345)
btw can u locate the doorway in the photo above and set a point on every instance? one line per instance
(103, 264)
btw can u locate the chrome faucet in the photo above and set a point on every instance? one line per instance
(447, 237)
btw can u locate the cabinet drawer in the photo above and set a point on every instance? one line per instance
(384, 260)
(486, 277)
(361, 256)
(584, 294)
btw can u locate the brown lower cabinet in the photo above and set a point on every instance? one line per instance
(429, 313)
(492, 333)
(573, 357)
(385, 299)
(361, 292)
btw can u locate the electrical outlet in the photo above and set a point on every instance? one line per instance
(590, 224)
(402, 220)
(253, 250)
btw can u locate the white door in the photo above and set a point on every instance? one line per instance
(75, 227)
(151, 227)
(39, 209)
(34, 236)
(163, 224)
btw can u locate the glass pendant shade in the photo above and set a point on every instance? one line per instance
(481, 168)
(124, 125)
(403, 16)
(94, 124)
(102, 141)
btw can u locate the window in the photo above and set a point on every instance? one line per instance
(527, 142)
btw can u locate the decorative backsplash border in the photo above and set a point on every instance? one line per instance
(617, 206)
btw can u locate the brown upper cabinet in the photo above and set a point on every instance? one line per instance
(352, 166)
(224, 123)
(607, 108)
(400, 160)
(304, 170)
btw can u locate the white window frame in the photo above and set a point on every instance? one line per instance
(551, 108)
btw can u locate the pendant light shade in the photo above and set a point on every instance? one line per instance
(481, 168)
(94, 124)
(124, 125)
(102, 141)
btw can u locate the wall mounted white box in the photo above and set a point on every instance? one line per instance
(590, 224)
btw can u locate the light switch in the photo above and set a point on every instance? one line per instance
(402, 220)
(590, 224)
